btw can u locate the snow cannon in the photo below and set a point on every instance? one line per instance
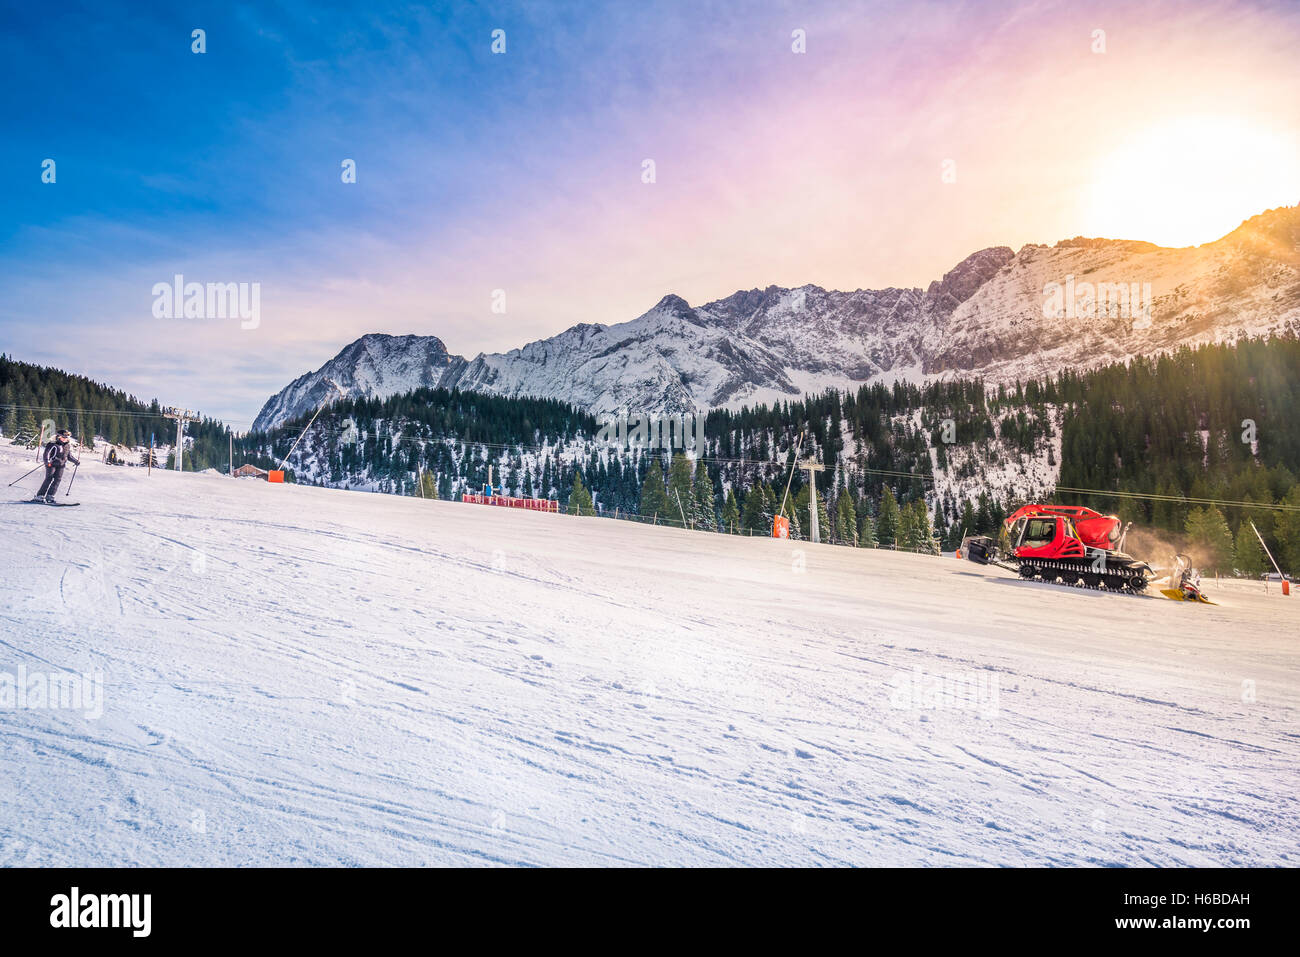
(1069, 544)
(1185, 582)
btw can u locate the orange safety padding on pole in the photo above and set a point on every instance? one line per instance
(275, 476)
(1286, 587)
(781, 527)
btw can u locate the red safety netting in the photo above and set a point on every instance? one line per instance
(509, 501)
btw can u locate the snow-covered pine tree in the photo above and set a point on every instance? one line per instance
(888, 519)
(866, 531)
(905, 535)
(1247, 557)
(428, 485)
(751, 517)
(796, 510)
(1209, 532)
(8, 412)
(731, 513)
(825, 528)
(770, 505)
(681, 490)
(654, 494)
(846, 520)
(924, 530)
(579, 498)
(706, 510)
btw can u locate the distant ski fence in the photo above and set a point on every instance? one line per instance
(513, 501)
(552, 505)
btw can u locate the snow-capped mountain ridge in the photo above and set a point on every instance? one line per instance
(984, 317)
(375, 365)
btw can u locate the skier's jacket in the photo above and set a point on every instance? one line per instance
(57, 454)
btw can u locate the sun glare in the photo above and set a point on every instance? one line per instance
(1191, 181)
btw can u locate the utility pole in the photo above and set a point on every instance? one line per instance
(814, 532)
(181, 418)
(232, 453)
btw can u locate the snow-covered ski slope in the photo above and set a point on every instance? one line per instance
(308, 676)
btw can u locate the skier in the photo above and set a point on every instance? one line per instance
(56, 456)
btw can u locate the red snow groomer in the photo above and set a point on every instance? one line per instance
(1066, 543)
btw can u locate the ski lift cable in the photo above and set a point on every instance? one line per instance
(1178, 499)
(45, 408)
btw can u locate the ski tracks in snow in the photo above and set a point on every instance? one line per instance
(303, 676)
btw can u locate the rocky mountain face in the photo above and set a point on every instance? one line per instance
(998, 314)
(1245, 284)
(375, 365)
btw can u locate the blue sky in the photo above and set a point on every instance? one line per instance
(522, 171)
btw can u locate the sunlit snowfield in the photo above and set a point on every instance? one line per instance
(302, 676)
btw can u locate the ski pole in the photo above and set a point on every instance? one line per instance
(73, 479)
(17, 480)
